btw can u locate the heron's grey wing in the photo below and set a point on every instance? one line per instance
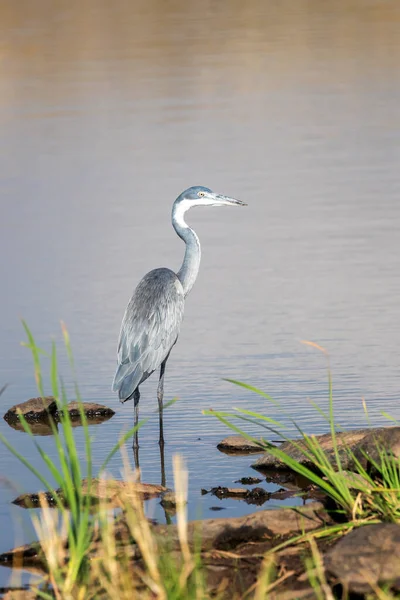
(149, 329)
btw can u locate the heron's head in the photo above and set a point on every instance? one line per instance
(202, 196)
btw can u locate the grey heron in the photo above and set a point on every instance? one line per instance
(153, 317)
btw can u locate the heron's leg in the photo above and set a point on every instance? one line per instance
(136, 398)
(160, 395)
(162, 464)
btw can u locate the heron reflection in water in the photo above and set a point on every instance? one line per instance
(153, 317)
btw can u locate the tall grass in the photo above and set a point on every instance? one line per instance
(89, 554)
(74, 503)
(367, 494)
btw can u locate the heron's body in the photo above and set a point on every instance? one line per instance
(153, 317)
(150, 328)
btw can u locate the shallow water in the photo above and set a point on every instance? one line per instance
(108, 111)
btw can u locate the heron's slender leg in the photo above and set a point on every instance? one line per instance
(160, 395)
(162, 464)
(136, 398)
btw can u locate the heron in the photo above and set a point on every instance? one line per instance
(152, 320)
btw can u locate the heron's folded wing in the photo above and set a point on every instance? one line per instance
(150, 327)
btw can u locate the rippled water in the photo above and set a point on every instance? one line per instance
(108, 111)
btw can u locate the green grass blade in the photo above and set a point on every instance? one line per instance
(120, 443)
(36, 358)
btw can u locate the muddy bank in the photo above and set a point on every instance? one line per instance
(234, 549)
(255, 532)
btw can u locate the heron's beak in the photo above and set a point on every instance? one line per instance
(220, 200)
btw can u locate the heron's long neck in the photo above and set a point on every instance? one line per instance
(187, 274)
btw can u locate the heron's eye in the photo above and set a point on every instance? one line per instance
(201, 194)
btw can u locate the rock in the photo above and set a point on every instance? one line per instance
(367, 557)
(236, 444)
(111, 491)
(27, 556)
(288, 479)
(346, 440)
(225, 492)
(285, 494)
(169, 503)
(35, 408)
(263, 524)
(387, 440)
(249, 480)
(168, 500)
(355, 481)
(256, 495)
(91, 410)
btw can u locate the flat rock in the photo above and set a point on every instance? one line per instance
(236, 444)
(110, 491)
(367, 557)
(35, 408)
(346, 440)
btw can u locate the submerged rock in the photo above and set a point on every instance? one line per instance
(259, 495)
(41, 410)
(367, 557)
(111, 491)
(168, 500)
(347, 442)
(236, 444)
(91, 410)
(249, 480)
(28, 556)
(225, 492)
(35, 408)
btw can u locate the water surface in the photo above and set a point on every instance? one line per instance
(108, 111)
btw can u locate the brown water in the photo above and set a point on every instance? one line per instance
(108, 110)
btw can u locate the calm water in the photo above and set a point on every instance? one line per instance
(108, 110)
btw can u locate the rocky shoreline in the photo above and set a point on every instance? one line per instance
(357, 560)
